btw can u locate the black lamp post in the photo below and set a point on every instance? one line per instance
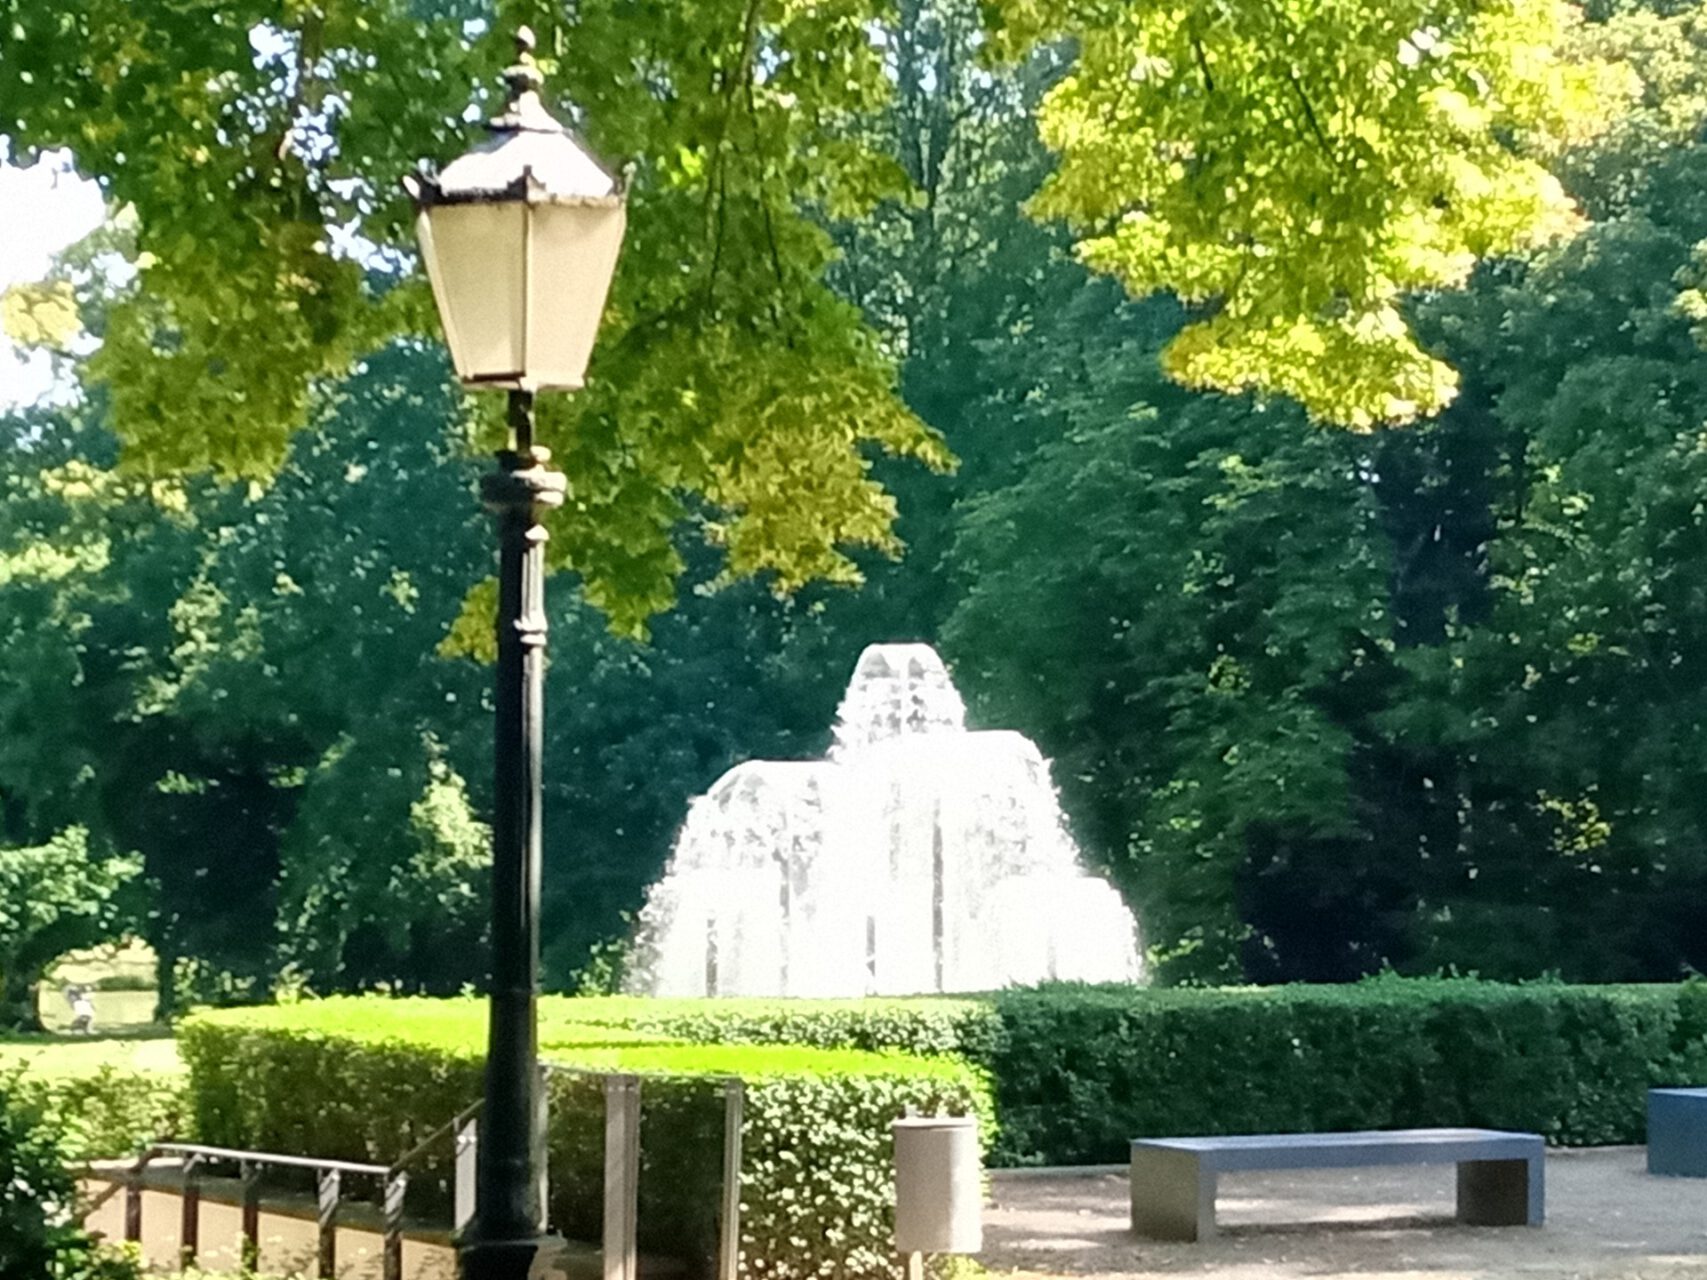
(520, 237)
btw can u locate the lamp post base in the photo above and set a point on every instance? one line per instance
(541, 1257)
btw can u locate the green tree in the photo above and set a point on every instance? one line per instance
(959, 283)
(55, 897)
(304, 646)
(1453, 724)
(384, 871)
(1186, 609)
(1294, 168)
(259, 145)
(96, 567)
(1544, 733)
(202, 660)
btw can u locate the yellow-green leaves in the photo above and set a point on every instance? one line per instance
(471, 634)
(212, 359)
(1294, 168)
(260, 147)
(40, 315)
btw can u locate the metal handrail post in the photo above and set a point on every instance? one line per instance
(395, 1187)
(729, 1217)
(251, 1175)
(189, 1221)
(329, 1191)
(133, 1199)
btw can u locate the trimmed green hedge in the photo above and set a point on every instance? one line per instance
(1080, 1072)
(967, 1027)
(367, 1079)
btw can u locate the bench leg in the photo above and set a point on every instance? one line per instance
(1501, 1193)
(1173, 1195)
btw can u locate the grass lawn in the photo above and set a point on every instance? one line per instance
(134, 1049)
(116, 1012)
(126, 1036)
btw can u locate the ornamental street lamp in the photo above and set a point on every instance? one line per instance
(520, 238)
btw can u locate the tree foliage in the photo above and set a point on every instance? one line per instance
(189, 666)
(1198, 671)
(1319, 701)
(1453, 720)
(1294, 168)
(260, 149)
(54, 898)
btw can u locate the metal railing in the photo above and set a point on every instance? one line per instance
(621, 1186)
(328, 1196)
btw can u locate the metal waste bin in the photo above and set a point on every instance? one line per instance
(939, 1185)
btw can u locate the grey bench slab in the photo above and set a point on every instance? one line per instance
(1677, 1132)
(1501, 1176)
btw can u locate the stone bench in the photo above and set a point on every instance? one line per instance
(1677, 1132)
(1500, 1175)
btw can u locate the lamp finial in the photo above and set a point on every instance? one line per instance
(524, 80)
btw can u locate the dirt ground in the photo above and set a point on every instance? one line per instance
(1607, 1219)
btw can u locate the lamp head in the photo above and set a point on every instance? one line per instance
(520, 236)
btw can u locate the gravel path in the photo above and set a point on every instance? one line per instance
(1607, 1219)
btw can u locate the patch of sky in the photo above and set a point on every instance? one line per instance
(47, 206)
(44, 207)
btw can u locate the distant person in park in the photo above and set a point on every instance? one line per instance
(82, 1011)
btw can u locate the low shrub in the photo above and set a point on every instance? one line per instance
(112, 1111)
(368, 1079)
(1080, 1071)
(109, 1097)
(40, 1235)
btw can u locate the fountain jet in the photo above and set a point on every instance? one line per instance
(917, 857)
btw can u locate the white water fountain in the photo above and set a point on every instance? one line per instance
(918, 857)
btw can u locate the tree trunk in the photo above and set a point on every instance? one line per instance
(19, 999)
(165, 976)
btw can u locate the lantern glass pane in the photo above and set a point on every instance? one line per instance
(475, 257)
(573, 250)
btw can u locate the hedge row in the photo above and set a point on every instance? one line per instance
(964, 1026)
(1077, 1072)
(367, 1079)
(1080, 1073)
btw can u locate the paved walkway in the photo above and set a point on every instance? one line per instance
(1607, 1219)
(289, 1238)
